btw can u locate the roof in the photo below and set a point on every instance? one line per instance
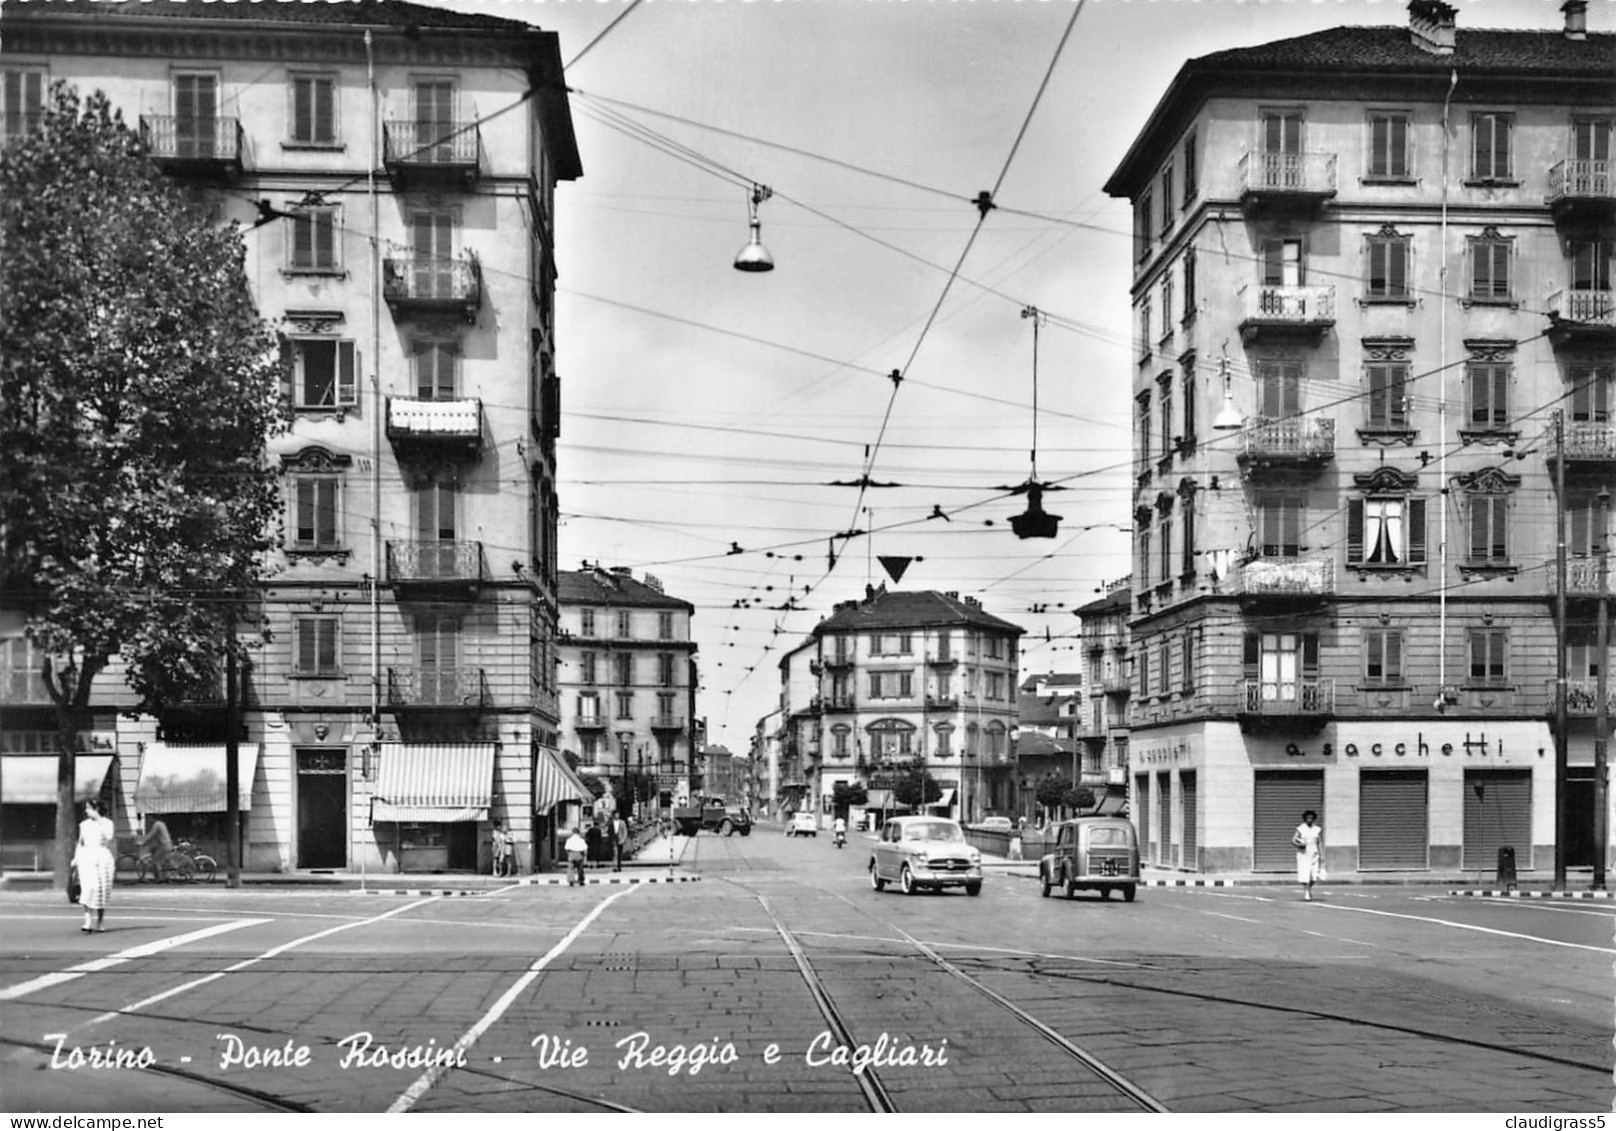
(602, 587)
(1052, 679)
(372, 13)
(1117, 601)
(918, 609)
(1033, 744)
(1383, 53)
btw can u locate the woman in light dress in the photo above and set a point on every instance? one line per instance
(1308, 840)
(96, 864)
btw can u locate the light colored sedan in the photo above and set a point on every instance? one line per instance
(925, 852)
(803, 824)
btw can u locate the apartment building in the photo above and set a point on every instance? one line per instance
(1372, 288)
(393, 167)
(627, 678)
(906, 679)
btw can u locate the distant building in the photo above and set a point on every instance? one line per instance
(1110, 686)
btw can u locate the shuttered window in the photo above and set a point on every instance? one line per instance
(314, 645)
(1383, 656)
(325, 373)
(1388, 146)
(314, 240)
(314, 115)
(1489, 530)
(1393, 819)
(1280, 798)
(1490, 146)
(1489, 270)
(1497, 814)
(1387, 383)
(1488, 649)
(314, 505)
(1387, 532)
(1487, 389)
(1388, 267)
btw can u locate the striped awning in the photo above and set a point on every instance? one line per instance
(30, 779)
(554, 782)
(191, 779)
(434, 782)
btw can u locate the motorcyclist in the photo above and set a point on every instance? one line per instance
(839, 828)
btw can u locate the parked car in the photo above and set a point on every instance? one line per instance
(803, 824)
(996, 824)
(1095, 853)
(925, 852)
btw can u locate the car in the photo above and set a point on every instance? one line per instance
(925, 852)
(802, 824)
(1092, 853)
(996, 824)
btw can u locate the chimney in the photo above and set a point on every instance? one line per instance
(623, 571)
(1430, 26)
(1576, 16)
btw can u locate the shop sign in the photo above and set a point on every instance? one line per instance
(44, 742)
(1472, 746)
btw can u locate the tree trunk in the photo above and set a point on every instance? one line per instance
(69, 692)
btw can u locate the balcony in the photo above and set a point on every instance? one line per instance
(840, 661)
(942, 661)
(198, 147)
(425, 285)
(1116, 685)
(1275, 311)
(1305, 442)
(437, 689)
(1582, 578)
(1286, 700)
(1582, 317)
(432, 154)
(1286, 180)
(453, 428)
(1589, 447)
(1582, 698)
(668, 722)
(838, 703)
(589, 723)
(1284, 580)
(942, 702)
(1581, 190)
(435, 569)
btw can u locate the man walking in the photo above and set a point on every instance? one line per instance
(575, 848)
(619, 839)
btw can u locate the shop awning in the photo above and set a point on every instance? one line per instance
(942, 802)
(191, 779)
(433, 782)
(30, 779)
(554, 782)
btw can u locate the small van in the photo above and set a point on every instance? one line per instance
(1094, 853)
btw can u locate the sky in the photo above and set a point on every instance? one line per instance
(717, 425)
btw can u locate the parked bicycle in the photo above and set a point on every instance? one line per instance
(182, 864)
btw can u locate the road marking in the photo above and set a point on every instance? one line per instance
(1469, 927)
(144, 950)
(431, 1076)
(272, 952)
(1507, 902)
(1221, 915)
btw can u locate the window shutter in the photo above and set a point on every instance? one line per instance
(1500, 528)
(1416, 531)
(303, 503)
(1481, 134)
(1480, 533)
(1355, 532)
(325, 249)
(1395, 157)
(1393, 667)
(347, 369)
(303, 109)
(1251, 660)
(325, 532)
(288, 369)
(325, 117)
(1310, 655)
(307, 658)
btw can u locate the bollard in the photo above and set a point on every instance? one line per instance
(1506, 868)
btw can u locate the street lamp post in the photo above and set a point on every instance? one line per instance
(1602, 709)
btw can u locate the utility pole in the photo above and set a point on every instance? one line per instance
(1562, 822)
(232, 750)
(1602, 709)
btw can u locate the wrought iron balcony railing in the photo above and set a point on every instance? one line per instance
(1293, 440)
(437, 688)
(415, 284)
(1273, 309)
(1582, 577)
(1287, 698)
(1285, 577)
(446, 564)
(432, 151)
(667, 722)
(178, 142)
(1582, 698)
(1583, 311)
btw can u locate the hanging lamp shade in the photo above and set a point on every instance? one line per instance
(754, 257)
(1228, 418)
(1035, 522)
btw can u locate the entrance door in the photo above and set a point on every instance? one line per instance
(1164, 811)
(434, 121)
(196, 115)
(436, 530)
(463, 846)
(1579, 850)
(322, 808)
(1191, 837)
(1141, 812)
(1282, 149)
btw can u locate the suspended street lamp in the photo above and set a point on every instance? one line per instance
(754, 256)
(1035, 522)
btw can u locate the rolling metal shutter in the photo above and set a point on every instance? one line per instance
(1192, 834)
(1141, 811)
(1164, 810)
(1280, 798)
(1393, 821)
(1497, 813)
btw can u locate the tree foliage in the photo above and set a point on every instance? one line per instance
(846, 794)
(916, 788)
(1051, 791)
(139, 389)
(1079, 799)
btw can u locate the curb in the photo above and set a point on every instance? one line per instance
(1513, 894)
(546, 882)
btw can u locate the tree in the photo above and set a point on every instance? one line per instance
(847, 794)
(916, 788)
(140, 388)
(1051, 791)
(1079, 799)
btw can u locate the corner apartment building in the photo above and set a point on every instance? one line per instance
(394, 168)
(627, 678)
(1345, 550)
(1109, 664)
(901, 679)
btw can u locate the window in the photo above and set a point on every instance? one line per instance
(1279, 388)
(1187, 676)
(20, 678)
(1582, 651)
(1488, 649)
(314, 512)
(1165, 392)
(1279, 522)
(314, 110)
(1167, 200)
(586, 622)
(1282, 263)
(324, 373)
(1590, 268)
(1188, 382)
(437, 654)
(22, 101)
(1489, 269)
(1165, 549)
(1383, 656)
(995, 688)
(1490, 157)
(1189, 284)
(665, 669)
(1387, 532)
(1190, 185)
(1164, 666)
(1144, 556)
(623, 669)
(587, 672)
(196, 116)
(436, 512)
(1388, 399)
(838, 742)
(1590, 141)
(1489, 530)
(1187, 546)
(995, 647)
(1167, 307)
(625, 705)
(1590, 393)
(1582, 524)
(1388, 255)
(1144, 211)
(314, 645)
(1144, 438)
(432, 264)
(435, 363)
(664, 625)
(1487, 391)
(666, 706)
(1282, 664)
(314, 241)
(623, 624)
(1146, 343)
(434, 121)
(1388, 146)
(891, 685)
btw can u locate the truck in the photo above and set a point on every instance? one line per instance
(712, 814)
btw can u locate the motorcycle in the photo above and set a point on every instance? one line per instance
(840, 840)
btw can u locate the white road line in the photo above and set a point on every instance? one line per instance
(272, 952)
(1540, 905)
(1221, 915)
(144, 950)
(431, 1076)
(1468, 927)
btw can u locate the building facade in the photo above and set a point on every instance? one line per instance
(1372, 289)
(627, 678)
(399, 226)
(899, 680)
(1110, 686)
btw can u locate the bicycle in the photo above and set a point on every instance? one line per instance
(204, 865)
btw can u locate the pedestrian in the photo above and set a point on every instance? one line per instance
(158, 844)
(619, 840)
(576, 847)
(95, 863)
(504, 850)
(1308, 840)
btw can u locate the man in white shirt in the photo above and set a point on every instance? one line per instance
(576, 847)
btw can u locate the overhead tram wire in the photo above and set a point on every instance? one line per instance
(604, 32)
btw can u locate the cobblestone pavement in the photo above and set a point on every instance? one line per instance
(693, 997)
